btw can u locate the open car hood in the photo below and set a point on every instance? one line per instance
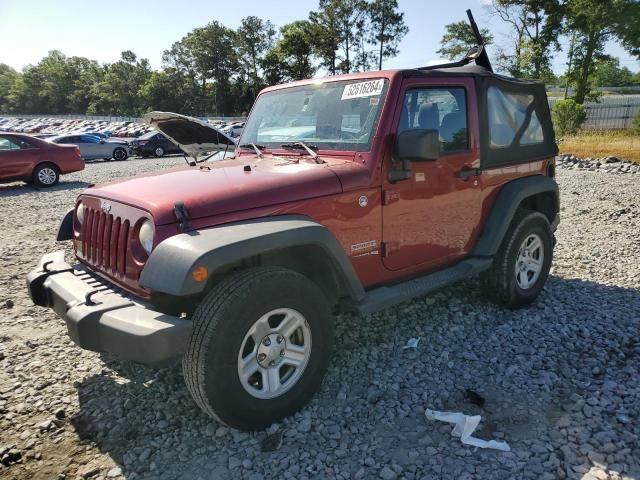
(193, 136)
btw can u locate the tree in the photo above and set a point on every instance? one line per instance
(171, 91)
(274, 66)
(208, 56)
(255, 37)
(595, 22)
(608, 73)
(8, 78)
(339, 22)
(568, 116)
(295, 49)
(324, 30)
(119, 90)
(458, 39)
(387, 28)
(536, 25)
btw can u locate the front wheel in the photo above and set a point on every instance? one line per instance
(120, 154)
(521, 266)
(260, 345)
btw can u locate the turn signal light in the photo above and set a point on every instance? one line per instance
(200, 274)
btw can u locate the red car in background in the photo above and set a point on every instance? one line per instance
(36, 161)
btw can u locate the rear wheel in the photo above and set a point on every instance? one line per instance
(521, 266)
(46, 175)
(120, 154)
(260, 346)
(158, 152)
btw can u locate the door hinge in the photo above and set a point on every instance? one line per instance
(386, 248)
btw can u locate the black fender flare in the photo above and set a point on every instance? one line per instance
(168, 268)
(505, 206)
(65, 230)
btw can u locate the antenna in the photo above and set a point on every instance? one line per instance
(481, 57)
(476, 53)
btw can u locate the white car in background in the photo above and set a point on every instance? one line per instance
(92, 147)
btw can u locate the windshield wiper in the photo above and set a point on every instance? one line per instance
(256, 148)
(303, 146)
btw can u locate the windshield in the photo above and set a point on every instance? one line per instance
(331, 115)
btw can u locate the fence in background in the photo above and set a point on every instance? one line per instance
(612, 112)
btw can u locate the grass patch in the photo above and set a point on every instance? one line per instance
(621, 144)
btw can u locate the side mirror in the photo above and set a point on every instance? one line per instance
(101, 141)
(417, 145)
(413, 145)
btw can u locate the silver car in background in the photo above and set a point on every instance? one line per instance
(92, 147)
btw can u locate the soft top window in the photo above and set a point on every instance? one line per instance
(515, 124)
(507, 114)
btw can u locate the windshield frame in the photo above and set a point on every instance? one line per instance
(333, 145)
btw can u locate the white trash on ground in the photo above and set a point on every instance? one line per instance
(411, 343)
(464, 427)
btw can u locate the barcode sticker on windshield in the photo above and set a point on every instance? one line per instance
(363, 89)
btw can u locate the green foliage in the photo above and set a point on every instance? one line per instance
(535, 26)
(595, 22)
(458, 39)
(387, 28)
(295, 49)
(212, 69)
(608, 73)
(636, 125)
(568, 116)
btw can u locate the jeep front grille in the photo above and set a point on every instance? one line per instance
(104, 241)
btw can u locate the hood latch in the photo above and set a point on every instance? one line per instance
(180, 211)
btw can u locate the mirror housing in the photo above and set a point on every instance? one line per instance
(417, 144)
(413, 145)
(101, 141)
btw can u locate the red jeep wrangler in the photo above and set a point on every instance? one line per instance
(354, 192)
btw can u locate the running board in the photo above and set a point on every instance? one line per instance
(384, 297)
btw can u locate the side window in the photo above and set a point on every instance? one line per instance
(441, 109)
(24, 145)
(88, 139)
(507, 113)
(8, 144)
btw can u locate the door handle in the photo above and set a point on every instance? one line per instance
(468, 172)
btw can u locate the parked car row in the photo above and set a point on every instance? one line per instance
(40, 160)
(233, 129)
(57, 126)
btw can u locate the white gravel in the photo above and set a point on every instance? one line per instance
(560, 381)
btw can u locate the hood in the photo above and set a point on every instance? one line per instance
(225, 186)
(193, 136)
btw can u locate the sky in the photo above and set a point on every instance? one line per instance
(30, 28)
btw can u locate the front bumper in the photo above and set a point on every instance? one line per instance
(101, 318)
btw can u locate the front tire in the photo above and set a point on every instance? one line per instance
(46, 175)
(521, 266)
(261, 343)
(120, 154)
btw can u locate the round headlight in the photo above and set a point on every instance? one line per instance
(146, 236)
(80, 213)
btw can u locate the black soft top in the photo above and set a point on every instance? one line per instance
(538, 108)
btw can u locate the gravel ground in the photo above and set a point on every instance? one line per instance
(559, 381)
